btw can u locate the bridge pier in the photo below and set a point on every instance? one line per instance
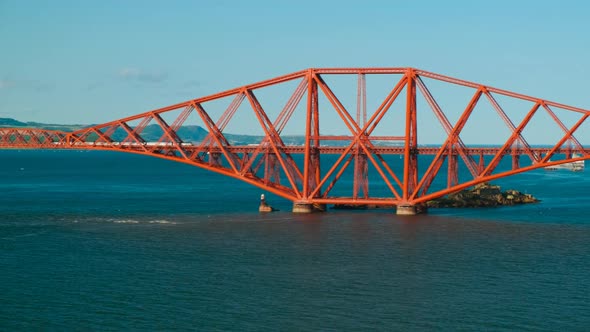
(306, 207)
(302, 207)
(409, 209)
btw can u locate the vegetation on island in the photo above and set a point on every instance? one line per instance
(482, 195)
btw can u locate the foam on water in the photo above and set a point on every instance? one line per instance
(135, 221)
(124, 221)
(166, 222)
(15, 237)
(129, 221)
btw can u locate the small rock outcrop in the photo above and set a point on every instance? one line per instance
(264, 206)
(482, 195)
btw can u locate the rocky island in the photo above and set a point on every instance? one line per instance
(482, 195)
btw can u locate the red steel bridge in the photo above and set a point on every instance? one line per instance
(348, 143)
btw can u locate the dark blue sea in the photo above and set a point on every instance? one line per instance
(109, 241)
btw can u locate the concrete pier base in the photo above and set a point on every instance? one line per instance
(406, 210)
(304, 207)
(301, 207)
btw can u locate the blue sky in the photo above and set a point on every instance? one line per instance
(95, 61)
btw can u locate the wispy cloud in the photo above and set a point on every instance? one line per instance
(26, 85)
(135, 74)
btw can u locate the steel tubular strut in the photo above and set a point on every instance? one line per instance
(337, 176)
(101, 136)
(310, 130)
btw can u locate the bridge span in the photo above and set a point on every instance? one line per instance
(298, 166)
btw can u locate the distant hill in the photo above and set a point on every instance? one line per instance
(151, 133)
(8, 122)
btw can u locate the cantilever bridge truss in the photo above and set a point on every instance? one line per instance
(355, 147)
